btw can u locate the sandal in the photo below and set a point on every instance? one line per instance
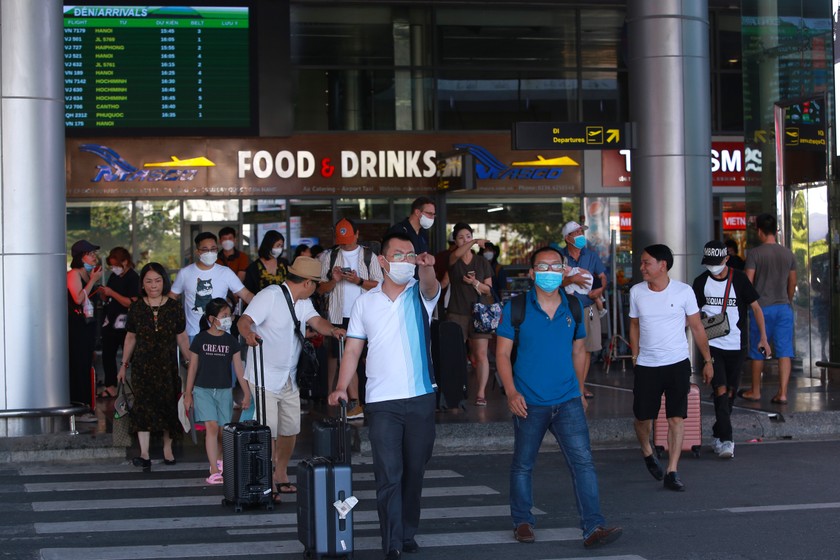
(480, 402)
(215, 478)
(285, 488)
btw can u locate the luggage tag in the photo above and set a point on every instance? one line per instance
(344, 507)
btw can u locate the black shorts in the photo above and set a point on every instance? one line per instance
(333, 340)
(650, 382)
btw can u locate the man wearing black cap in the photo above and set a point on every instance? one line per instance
(722, 283)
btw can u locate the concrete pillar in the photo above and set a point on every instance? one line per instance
(33, 265)
(670, 106)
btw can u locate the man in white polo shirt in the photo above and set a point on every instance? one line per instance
(269, 318)
(394, 318)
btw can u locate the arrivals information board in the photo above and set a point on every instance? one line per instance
(156, 68)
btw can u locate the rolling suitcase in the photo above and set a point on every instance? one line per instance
(325, 503)
(450, 360)
(327, 432)
(246, 450)
(693, 436)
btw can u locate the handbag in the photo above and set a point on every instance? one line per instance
(718, 325)
(486, 317)
(121, 432)
(124, 400)
(307, 366)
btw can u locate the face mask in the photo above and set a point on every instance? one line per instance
(225, 323)
(580, 241)
(89, 267)
(548, 281)
(118, 270)
(227, 245)
(401, 272)
(208, 258)
(426, 222)
(715, 270)
(489, 255)
(277, 252)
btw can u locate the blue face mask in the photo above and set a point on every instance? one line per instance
(548, 281)
(580, 241)
(89, 267)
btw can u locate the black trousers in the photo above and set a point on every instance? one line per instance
(82, 338)
(402, 435)
(727, 374)
(112, 340)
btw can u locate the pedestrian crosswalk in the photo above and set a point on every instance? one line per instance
(112, 511)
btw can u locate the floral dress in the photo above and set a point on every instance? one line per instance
(155, 377)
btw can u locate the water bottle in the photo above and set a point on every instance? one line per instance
(88, 308)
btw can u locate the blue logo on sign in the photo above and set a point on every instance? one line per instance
(487, 166)
(118, 169)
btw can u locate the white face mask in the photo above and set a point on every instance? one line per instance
(489, 255)
(277, 252)
(208, 258)
(118, 270)
(225, 323)
(401, 272)
(715, 270)
(426, 222)
(227, 245)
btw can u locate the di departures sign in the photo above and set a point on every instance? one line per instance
(570, 136)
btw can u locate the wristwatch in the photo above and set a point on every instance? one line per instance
(361, 282)
(709, 361)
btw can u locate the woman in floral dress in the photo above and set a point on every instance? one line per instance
(155, 325)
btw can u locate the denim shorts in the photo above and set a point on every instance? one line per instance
(213, 405)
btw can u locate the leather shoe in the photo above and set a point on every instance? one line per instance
(411, 546)
(602, 535)
(653, 466)
(673, 482)
(524, 533)
(393, 555)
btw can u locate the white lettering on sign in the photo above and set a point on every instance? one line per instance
(285, 164)
(388, 163)
(727, 161)
(734, 221)
(752, 158)
(626, 154)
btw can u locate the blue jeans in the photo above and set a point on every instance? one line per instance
(567, 423)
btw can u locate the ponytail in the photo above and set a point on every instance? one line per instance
(212, 309)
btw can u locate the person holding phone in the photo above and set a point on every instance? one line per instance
(85, 271)
(470, 278)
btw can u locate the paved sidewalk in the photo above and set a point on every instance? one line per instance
(813, 412)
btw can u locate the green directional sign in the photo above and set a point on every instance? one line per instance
(570, 136)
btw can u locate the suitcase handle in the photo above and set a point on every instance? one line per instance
(343, 452)
(259, 362)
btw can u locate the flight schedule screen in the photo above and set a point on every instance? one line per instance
(156, 69)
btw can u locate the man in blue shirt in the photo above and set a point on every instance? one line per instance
(543, 387)
(587, 285)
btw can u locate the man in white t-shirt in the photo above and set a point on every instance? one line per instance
(394, 318)
(659, 310)
(204, 280)
(269, 318)
(350, 270)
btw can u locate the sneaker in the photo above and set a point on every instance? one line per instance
(356, 413)
(215, 478)
(603, 313)
(87, 417)
(727, 450)
(716, 446)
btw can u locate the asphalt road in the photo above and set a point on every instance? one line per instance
(774, 500)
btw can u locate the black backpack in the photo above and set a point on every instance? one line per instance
(517, 316)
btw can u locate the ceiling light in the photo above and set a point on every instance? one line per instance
(496, 209)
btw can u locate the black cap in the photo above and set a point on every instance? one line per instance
(82, 246)
(714, 252)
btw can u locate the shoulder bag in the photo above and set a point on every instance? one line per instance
(307, 367)
(718, 325)
(486, 317)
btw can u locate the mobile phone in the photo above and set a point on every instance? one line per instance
(471, 274)
(346, 270)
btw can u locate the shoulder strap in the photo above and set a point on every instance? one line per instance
(291, 310)
(368, 257)
(333, 256)
(576, 310)
(517, 316)
(726, 292)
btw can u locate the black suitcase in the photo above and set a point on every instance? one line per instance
(327, 431)
(449, 355)
(246, 451)
(324, 486)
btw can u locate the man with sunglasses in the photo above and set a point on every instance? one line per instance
(394, 318)
(543, 382)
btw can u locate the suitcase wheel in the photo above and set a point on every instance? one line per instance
(695, 450)
(659, 450)
(269, 506)
(237, 508)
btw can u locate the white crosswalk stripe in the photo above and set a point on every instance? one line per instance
(149, 511)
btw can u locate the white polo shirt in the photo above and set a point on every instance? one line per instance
(661, 315)
(398, 363)
(273, 323)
